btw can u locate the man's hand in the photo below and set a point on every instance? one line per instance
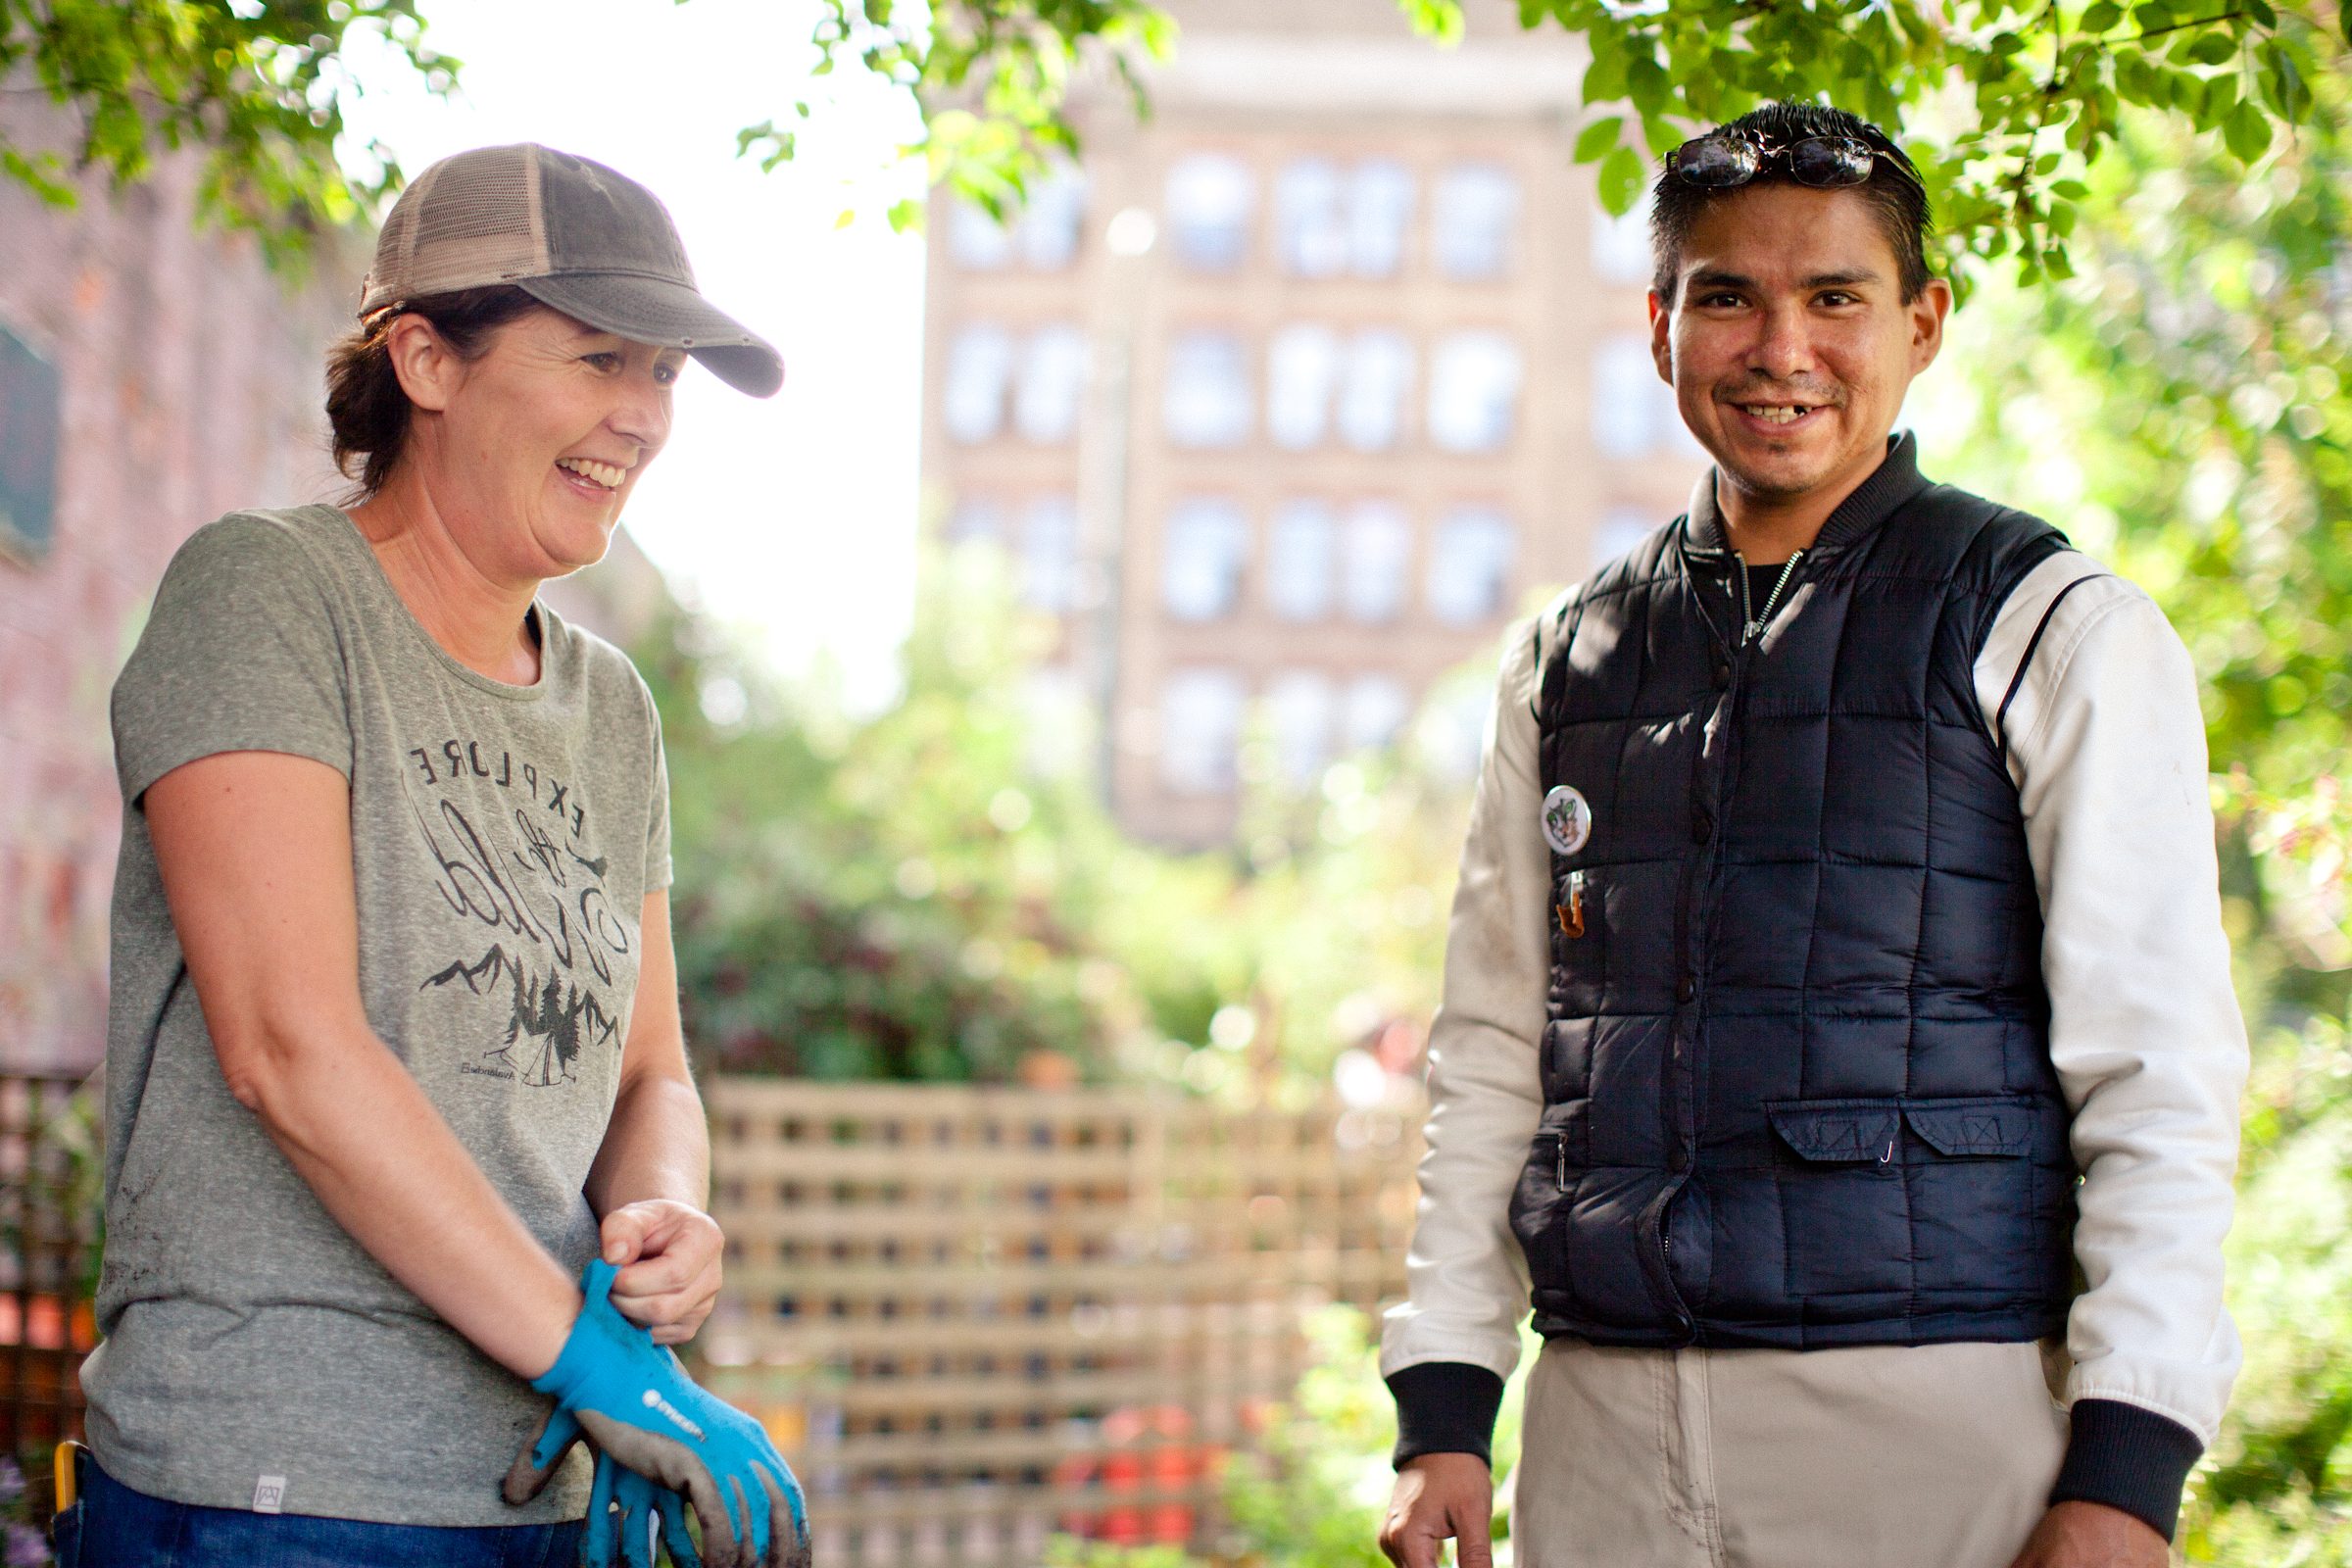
(1437, 1495)
(2091, 1535)
(669, 1255)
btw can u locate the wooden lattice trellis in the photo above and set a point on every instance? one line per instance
(973, 1318)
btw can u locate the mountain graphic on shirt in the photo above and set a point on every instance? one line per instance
(548, 1019)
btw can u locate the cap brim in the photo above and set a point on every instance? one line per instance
(654, 310)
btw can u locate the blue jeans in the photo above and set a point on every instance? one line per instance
(112, 1526)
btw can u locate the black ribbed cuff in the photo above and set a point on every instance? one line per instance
(1445, 1407)
(2128, 1458)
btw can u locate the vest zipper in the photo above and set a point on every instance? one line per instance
(1753, 623)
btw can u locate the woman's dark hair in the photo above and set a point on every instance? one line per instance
(1897, 198)
(365, 408)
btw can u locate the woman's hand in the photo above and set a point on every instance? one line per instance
(669, 1254)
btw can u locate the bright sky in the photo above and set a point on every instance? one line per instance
(790, 518)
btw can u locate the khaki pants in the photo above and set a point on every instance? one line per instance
(1877, 1457)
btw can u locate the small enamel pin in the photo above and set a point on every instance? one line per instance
(1567, 819)
(1572, 914)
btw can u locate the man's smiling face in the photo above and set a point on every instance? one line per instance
(1789, 343)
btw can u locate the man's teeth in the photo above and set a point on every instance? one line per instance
(602, 473)
(1776, 415)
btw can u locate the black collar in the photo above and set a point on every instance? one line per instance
(1889, 487)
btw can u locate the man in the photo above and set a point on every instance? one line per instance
(1841, 886)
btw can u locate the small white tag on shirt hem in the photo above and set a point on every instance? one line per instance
(269, 1494)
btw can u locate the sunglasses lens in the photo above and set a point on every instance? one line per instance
(1831, 161)
(1717, 163)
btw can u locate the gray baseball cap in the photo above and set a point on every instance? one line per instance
(572, 234)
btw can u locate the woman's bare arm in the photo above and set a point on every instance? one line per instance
(256, 855)
(651, 1183)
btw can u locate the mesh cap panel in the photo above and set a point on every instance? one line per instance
(587, 239)
(472, 220)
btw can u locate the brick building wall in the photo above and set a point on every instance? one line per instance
(190, 382)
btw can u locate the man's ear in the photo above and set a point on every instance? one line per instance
(1929, 311)
(422, 358)
(1661, 337)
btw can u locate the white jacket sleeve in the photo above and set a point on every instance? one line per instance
(1467, 1280)
(2107, 749)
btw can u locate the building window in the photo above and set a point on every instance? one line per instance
(1310, 220)
(1374, 713)
(1380, 207)
(1049, 221)
(1045, 234)
(1207, 398)
(1378, 375)
(1044, 406)
(1473, 391)
(1626, 407)
(1200, 727)
(979, 369)
(977, 242)
(977, 519)
(1050, 555)
(1303, 368)
(1301, 551)
(1300, 706)
(1209, 197)
(1207, 547)
(31, 405)
(1470, 566)
(1376, 550)
(1621, 246)
(1475, 222)
(1619, 530)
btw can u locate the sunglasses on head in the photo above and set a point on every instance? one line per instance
(1720, 160)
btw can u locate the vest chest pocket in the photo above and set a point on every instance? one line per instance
(1897, 1196)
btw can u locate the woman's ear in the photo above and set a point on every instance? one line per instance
(422, 358)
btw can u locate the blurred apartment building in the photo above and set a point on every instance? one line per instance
(1295, 393)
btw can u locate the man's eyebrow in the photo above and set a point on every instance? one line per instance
(1847, 278)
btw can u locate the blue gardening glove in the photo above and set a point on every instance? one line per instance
(641, 1502)
(633, 1401)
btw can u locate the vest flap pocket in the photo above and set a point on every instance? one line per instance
(1972, 1126)
(1838, 1130)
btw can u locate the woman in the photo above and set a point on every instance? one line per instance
(394, 1042)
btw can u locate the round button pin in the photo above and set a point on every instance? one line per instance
(1567, 819)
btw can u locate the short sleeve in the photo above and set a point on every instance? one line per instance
(240, 653)
(657, 828)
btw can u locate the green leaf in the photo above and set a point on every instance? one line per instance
(2073, 190)
(905, 213)
(1621, 179)
(1647, 84)
(2282, 83)
(1604, 79)
(2247, 132)
(2101, 16)
(1597, 138)
(2212, 48)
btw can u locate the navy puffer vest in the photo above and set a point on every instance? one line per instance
(1797, 1079)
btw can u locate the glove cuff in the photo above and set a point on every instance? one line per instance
(572, 1362)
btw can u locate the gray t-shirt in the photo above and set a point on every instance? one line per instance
(504, 840)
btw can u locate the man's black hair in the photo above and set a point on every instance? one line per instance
(1896, 197)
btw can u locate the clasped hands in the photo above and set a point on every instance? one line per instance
(663, 1444)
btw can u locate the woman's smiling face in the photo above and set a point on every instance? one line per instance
(532, 448)
(1789, 343)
